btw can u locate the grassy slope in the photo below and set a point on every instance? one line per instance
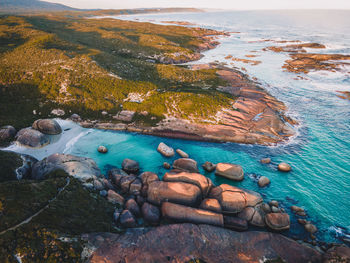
(89, 65)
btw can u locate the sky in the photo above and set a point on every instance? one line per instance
(217, 4)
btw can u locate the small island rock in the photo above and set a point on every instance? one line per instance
(102, 149)
(209, 167)
(182, 153)
(284, 167)
(263, 181)
(230, 171)
(130, 166)
(165, 150)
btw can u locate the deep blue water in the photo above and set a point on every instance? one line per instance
(319, 154)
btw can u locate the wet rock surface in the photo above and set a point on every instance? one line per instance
(201, 242)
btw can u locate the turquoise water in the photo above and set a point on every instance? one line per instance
(319, 154)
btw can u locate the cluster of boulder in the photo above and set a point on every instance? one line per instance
(185, 195)
(35, 136)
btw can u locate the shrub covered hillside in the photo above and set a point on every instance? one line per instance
(87, 66)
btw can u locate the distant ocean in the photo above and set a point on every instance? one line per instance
(319, 154)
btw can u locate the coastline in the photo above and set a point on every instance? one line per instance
(256, 117)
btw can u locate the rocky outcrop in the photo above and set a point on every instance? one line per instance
(186, 164)
(181, 213)
(211, 204)
(204, 243)
(79, 167)
(151, 213)
(176, 192)
(233, 199)
(165, 150)
(31, 138)
(230, 171)
(47, 126)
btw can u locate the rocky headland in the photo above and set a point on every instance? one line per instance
(255, 117)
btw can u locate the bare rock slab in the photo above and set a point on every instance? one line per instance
(181, 213)
(185, 242)
(165, 150)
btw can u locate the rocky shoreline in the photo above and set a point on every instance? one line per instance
(181, 203)
(255, 117)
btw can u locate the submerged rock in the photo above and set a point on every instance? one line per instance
(204, 243)
(166, 165)
(208, 166)
(181, 213)
(47, 126)
(176, 192)
(165, 150)
(79, 167)
(7, 133)
(130, 166)
(186, 164)
(265, 160)
(284, 167)
(230, 171)
(310, 228)
(32, 138)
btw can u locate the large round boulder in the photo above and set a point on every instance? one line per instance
(233, 199)
(47, 126)
(7, 133)
(31, 138)
(186, 164)
(165, 150)
(277, 221)
(230, 171)
(199, 180)
(130, 166)
(84, 169)
(175, 192)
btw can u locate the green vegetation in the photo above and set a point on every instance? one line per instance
(9, 162)
(52, 235)
(86, 66)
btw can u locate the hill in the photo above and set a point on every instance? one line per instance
(15, 6)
